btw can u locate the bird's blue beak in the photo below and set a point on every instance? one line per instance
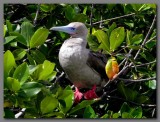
(66, 29)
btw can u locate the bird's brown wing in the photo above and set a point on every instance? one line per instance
(97, 62)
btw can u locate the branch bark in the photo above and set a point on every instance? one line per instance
(114, 18)
(37, 12)
(138, 80)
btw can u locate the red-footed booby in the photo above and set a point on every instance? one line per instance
(84, 68)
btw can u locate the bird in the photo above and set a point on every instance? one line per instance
(83, 67)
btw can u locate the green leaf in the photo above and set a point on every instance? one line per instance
(148, 56)
(9, 39)
(130, 24)
(89, 112)
(80, 18)
(31, 60)
(13, 44)
(121, 89)
(47, 69)
(116, 38)
(32, 68)
(47, 7)
(137, 39)
(116, 115)
(126, 115)
(39, 37)
(93, 44)
(128, 93)
(69, 13)
(135, 47)
(129, 37)
(111, 28)
(19, 53)
(125, 108)
(81, 105)
(85, 10)
(9, 62)
(111, 6)
(31, 88)
(16, 28)
(4, 30)
(57, 114)
(142, 99)
(68, 97)
(35, 75)
(9, 26)
(19, 38)
(128, 112)
(150, 44)
(27, 31)
(52, 76)
(38, 56)
(137, 112)
(144, 7)
(48, 104)
(103, 39)
(21, 73)
(151, 84)
(13, 84)
(137, 7)
(105, 116)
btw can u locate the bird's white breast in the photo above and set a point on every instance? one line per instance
(73, 57)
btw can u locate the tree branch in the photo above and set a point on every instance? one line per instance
(37, 12)
(20, 113)
(138, 80)
(151, 27)
(114, 18)
(151, 39)
(144, 64)
(126, 67)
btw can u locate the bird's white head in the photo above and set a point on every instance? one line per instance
(75, 29)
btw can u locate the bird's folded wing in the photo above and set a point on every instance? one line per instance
(97, 62)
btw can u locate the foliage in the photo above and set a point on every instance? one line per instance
(31, 66)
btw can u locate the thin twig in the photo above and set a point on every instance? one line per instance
(138, 80)
(125, 59)
(100, 25)
(126, 67)
(37, 12)
(114, 18)
(127, 84)
(151, 39)
(19, 20)
(151, 27)
(131, 52)
(144, 64)
(153, 112)
(20, 113)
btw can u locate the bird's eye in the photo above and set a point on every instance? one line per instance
(72, 28)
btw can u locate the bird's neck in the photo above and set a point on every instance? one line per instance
(79, 41)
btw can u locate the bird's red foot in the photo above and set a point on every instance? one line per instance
(91, 94)
(77, 96)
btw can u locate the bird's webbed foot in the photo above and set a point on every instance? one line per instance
(91, 94)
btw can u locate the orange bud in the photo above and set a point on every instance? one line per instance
(112, 68)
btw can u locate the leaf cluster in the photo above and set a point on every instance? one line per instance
(31, 66)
